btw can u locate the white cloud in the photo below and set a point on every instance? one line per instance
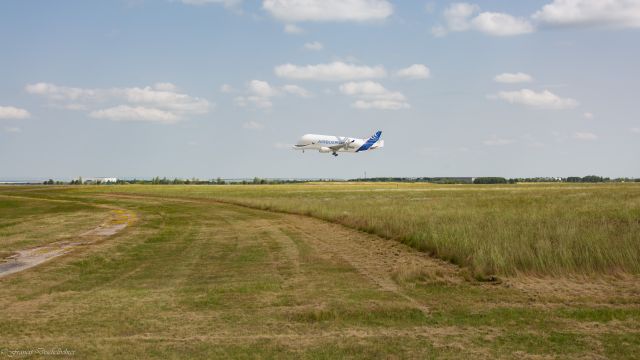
(363, 88)
(12, 129)
(293, 29)
(328, 10)
(138, 113)
(513, 78)
(296, 90)
(544, 99)
(415, 71)
(257, 101)
(262, 89)
(588, 115)
(314, 46)
(226, 88)
(335, 71)
(372, 95)
(460, 17)
(635, 130)
(499, 24)
(259, 93)
(587, 136)
(596, 13)
(11, 112)
(457, 16)
(64, 93)
(165, 86)
(252, 125)
(160, 103)
(494, 140)
(165, 100)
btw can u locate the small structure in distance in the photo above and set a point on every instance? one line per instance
(96, 180)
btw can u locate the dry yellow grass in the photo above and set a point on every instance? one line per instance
(543, 229)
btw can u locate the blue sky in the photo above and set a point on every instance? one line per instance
(208, 88)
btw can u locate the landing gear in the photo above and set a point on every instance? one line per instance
(334, 153)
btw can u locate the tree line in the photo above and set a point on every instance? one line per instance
(435, 180)
(496, 179)
(177, 181)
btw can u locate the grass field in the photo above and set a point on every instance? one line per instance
(194, 277)
(547, 229)
(25, 223)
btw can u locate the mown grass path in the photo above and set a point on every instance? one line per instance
(194, 278)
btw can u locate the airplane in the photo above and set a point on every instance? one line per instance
(335, 144)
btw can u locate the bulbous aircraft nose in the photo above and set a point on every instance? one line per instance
(305, 140)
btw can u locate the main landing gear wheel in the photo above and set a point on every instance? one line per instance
(335, 154)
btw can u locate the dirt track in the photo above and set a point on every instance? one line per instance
(25, 259)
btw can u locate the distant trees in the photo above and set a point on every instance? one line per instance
(490, 180)
(157, 181)
(261, 181)
(587, 179)
(178, 181)
(434, 180)
(535, 180)
(494, 180)
(257, 180)
(594, 178)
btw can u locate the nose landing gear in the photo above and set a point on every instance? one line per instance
(334, 153)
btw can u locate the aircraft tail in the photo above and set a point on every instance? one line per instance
(369, 143)
(375, 137)
(378, 145)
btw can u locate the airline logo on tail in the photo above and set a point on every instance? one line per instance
(372, 140)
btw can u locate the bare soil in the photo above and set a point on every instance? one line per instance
(28, 258)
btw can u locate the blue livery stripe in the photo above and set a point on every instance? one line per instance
(372, 140)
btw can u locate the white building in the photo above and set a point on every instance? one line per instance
(98, 180)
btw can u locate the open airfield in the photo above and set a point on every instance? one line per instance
(322, 270)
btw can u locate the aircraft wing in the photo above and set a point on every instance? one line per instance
(344, 144)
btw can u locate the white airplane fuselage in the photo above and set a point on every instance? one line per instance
(334, 144)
